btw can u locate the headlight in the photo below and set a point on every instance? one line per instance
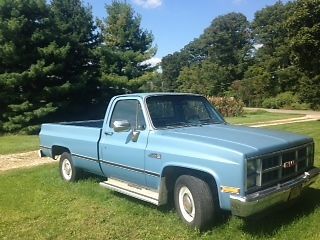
(253, 173)
(251, 181)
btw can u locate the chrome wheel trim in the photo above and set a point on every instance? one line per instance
(66, 169)
(186, 204)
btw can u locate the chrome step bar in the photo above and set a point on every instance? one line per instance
(132, 190)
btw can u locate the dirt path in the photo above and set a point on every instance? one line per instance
(309, 116)
(19, 160)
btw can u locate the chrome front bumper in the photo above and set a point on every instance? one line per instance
(260, 201)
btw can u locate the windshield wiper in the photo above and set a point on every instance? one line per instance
(181, 124)
(186, 124)
(209, 121)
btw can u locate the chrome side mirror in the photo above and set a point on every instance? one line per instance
(121, 126)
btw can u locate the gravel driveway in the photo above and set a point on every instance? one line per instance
(19, 160)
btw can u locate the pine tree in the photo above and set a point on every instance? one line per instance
(125, 49)
(71, 57)
(47, 66)
(23, 27)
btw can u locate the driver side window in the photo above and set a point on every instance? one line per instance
(131, 111)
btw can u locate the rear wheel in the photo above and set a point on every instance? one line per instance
(194, 201)
(68, 171)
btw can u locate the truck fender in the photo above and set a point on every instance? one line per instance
(171, 171)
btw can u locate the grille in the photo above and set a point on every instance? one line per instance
(286, 164)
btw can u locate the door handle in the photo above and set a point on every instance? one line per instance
(108, 133)
(135, 135)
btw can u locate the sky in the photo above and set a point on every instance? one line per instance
(174, 23)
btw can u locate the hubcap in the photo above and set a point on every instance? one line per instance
(66, 169)
(186, 204)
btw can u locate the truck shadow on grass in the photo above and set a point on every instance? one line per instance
(268, 224)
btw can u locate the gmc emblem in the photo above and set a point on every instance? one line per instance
(289, 164)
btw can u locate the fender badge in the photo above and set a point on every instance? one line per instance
(155, 155)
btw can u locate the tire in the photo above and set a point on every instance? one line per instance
(194, 202)
(68, 171)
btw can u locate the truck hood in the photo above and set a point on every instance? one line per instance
(245, 140)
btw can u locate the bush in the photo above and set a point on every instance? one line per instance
(227, 106)
(300, 106)
(287, 100)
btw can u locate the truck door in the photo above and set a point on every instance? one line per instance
(122, 154)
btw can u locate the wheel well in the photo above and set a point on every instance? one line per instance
(172, 173)
(58, 150)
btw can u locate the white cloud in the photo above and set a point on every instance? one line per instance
(148, 3)
(152, 61)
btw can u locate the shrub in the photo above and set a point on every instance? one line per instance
(227, 106)
(300, 106)
(287, 100)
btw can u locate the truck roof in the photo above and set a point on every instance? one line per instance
(144, 95)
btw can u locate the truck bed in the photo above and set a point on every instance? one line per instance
(80, 138)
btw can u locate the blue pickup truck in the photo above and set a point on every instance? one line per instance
(159, 147)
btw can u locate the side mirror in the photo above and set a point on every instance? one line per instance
(121, 126)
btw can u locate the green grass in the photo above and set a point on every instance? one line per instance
(259, 116)
(36, 204)
(18, 143)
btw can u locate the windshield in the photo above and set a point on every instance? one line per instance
(181, 110)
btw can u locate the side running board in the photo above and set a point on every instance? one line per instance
(132, 190)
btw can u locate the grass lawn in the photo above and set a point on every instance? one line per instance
(18, 143)
(250, 117)
(36, 204)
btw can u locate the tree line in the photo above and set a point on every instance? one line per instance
(273, 61)
(58, 63)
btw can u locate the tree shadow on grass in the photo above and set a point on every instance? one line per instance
(269, 223)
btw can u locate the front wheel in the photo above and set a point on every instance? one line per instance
(68, 171)
(194, 201)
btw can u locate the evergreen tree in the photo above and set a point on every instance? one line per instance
(23, 30)
(73, 83)
(46, 61)
(125, 49)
